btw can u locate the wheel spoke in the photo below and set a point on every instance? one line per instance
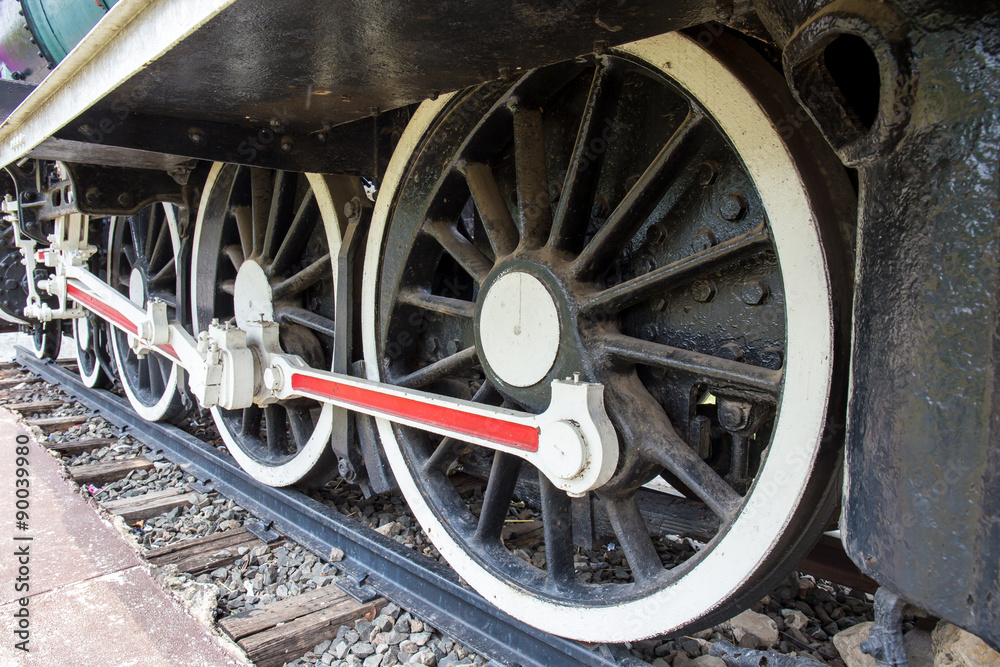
(156, 384)
(304, 279)
(633, 536)
(261, 191)
(168, 298)
(168, 274)
(593, 136)
(235, 255)
(460, 248)
(634, 209)
(301, 422)
(275, 425)
(155, 224)
(440, 369)
(299, 232)
(139, 234)
(533, 208)
(161, 252)
(438, 304)
(655, 439)
(282, 202)
(244, 224)
(250, 422)
(704, 367)
(228, 287)
(306, 318)
(493, 211)
(130, 256)
(646, 286)
(557, 522)
(496, 499)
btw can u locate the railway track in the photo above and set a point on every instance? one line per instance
(375, 565)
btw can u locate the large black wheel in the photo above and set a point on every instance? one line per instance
(640, 218)
(142, 264)
(265, 246)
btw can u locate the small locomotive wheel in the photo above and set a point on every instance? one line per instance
(90, 342)
(639, 218)
(265, 246)
(46, 339)
(142, 264)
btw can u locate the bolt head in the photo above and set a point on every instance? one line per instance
(703, 291)
(733, 415)
(733, 208)
(656, 234)
(705, 173)
(754, 292)
(703, 240)
(730, 351)
(287, 144)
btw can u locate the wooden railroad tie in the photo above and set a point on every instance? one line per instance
(9, 366)
(204, 554)
(284, 631)
(35, 407)
(8, 383)
(77, 447)
(148, 505)
(52, 424)
(107, 471)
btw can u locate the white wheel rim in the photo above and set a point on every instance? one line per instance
(302, 464)
(796, 441)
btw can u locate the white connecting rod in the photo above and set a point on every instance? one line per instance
(573, 442)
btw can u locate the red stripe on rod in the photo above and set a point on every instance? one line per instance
(102, 309)
(109, 313)
(500, 431)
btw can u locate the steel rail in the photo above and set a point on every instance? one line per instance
(428, 589)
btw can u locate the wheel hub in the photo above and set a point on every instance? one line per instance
(253, 299)
(519, 329)
(137, 287)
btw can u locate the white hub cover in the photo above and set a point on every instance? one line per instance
(253, 301)
(519, 329)
(136, 288)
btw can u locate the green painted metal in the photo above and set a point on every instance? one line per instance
(59, 25)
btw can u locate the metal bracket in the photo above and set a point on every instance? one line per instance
(356, 588)
(885, 638)
(262, 531)
(342, 440)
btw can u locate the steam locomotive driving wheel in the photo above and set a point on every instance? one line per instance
(265, 248)
(637, 218)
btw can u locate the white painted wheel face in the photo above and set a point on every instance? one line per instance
(234, 278)
(85, 341)
(519, 329)
(784, 487)
(142, 265)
